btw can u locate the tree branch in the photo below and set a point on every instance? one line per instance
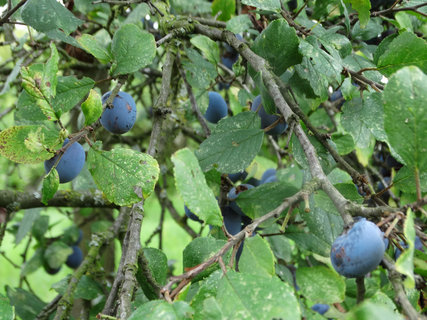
(98, 241)
(15, 200)
(396, 280)
(307, 189)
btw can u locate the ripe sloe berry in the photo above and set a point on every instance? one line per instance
(121, 117)
(70, 164)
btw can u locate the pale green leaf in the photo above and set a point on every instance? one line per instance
(132, 49)
(233, 144)
(50, 185)
(13, 146)
(92, 107)
(320, 284)
(125, 176)
(405, 116)
(257, 257)
(191, 184)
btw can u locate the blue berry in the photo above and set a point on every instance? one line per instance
(121, 117)
(268, 119)
(217, 108)
(358, 250)
(70, 164)
(75, 259)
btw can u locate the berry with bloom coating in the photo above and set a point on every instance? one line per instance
(217, 108)
(267, 119)
(358, 250)
(121, 117)
(70, 164)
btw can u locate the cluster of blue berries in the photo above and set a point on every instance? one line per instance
(118, 120)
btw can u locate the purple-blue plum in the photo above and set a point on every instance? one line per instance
(268, 119)
(386, 243)
(320, 308)
(233, 224)
(337, 95)
(121, 117)
(50, 270)
(191, 215)
(269, 175)
(234, 193)
(75, 259)
(232, 220)
(80, 238)
(217, 108)
(254, 181)
(358, 250)
(234, 177)
(417, 243)
(70, 164)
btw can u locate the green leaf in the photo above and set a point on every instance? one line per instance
(32, 82)
(33, 264)
(306, 240)
(362, 7)
(26, 224)
(344, 143)
(323, 220)
(137, 14)
(239, 24)
(49, 15)
(27, 305)
(321, 284)
(87, 288)
(179, 310)
(56, 254)
(69, 92)
(405, 181)
(132, 49)
(91, 44)
(49, 80)
(27, 110)
(125, 176)
(326, 160)
(199, 72)
(404, 21)
(248, 296)
(192, 186)
(207, 289)
(332, 40)
(40, 227)
(369, 310)
(270, 45)
(199, 250)
(357, 120)
(233, 144)
(227, 8)
(280, 245)
(7, 312)
(319, 67)
(257, 257)
(255, 204)
(273, 5)
(92, 107)
(13, 143)
(50, 185)
(405, 262)
(158, 267)
(209, 47)
(356, 62)
(405, 116)
(405, 50)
